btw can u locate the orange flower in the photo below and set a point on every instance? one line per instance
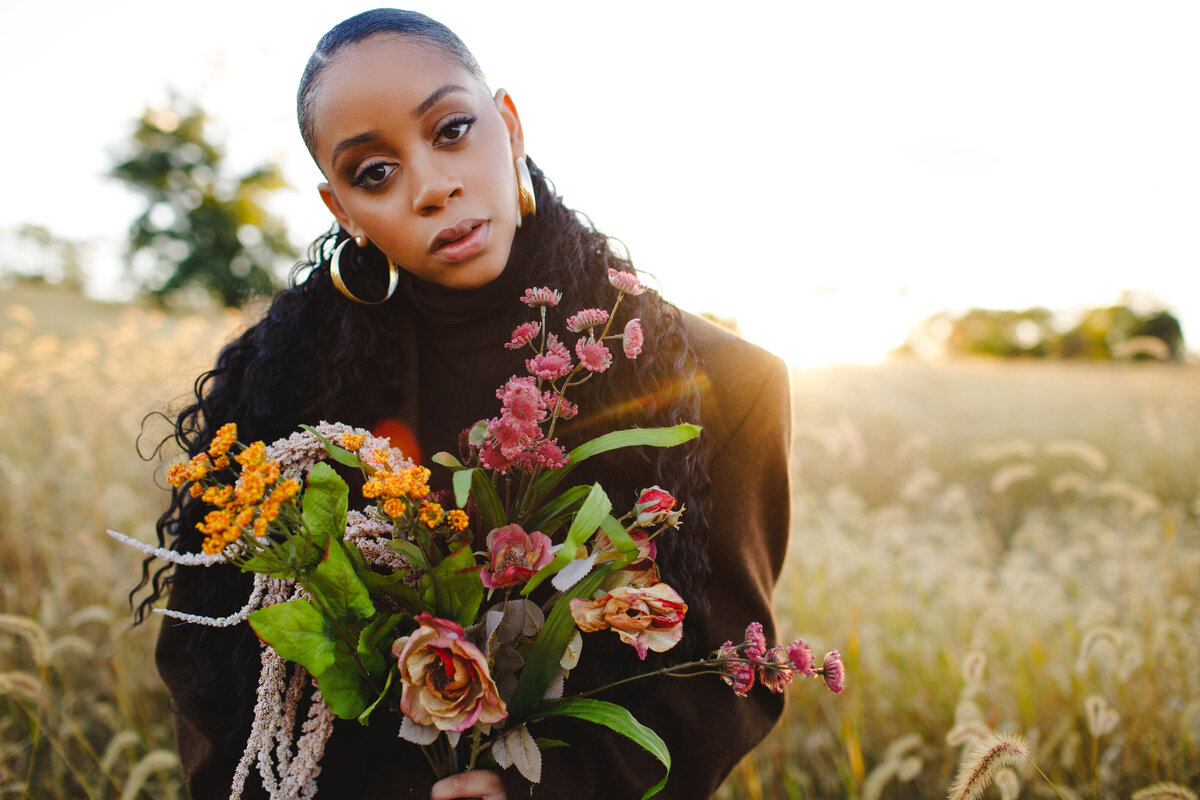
(649, 618)
(224, 439)
(177, 474)
(457, 519)
(431, 514)
(253, 456)
(394, 507)
(353, 441)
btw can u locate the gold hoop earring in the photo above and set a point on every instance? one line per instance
(335, 271)
(526, 200)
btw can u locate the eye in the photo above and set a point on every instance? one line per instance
(372, 174)
(455, 130)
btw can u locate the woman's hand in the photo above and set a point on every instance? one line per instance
(480, 784)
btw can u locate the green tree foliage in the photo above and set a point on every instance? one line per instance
(1112, 332)
(200, 227)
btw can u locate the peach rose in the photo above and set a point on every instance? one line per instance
(445, 678)
(649, 618)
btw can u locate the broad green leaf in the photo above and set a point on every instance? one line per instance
(393, 587)
(620, 537)
(454, 587)
(378, 636)
(325, 500)
(462, 486)
(593, 511)
(347, 691)
(630, 437)
(616, 718)
(446, 460)
(491, 509)
(338, 454)
(297, 632)
(547, 650)
(412, 554)
(338, 586)
(565, 504)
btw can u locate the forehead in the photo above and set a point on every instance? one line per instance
(383, 76)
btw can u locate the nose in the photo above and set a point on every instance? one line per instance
(435, 185)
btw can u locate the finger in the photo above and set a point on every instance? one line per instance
(480, 784)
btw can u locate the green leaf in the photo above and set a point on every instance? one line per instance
(412, 554)
(325, 500)
(377, 632)
(347, 691)
(393, 587)
(339, 588)
(294, 556)
(462, 486)
(338, 454)
(620, 538)
(543, 657)
(552, 512)
(491, 509)
(593, 511)
(297, 632)
(631, 437)
(365, 716)
(455, 589)
(616, 718)
(446, 460)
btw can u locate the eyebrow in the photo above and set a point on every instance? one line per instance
(438, 94)
(353, 141)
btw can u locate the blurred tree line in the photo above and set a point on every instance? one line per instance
(201, 227)
(1120, 331)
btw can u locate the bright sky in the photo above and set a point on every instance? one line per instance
(828, 173)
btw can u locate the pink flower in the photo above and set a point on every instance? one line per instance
(627, 282)
(737, 674)
(653, 506)
(633, 338)
(649, 618)
(550, 454)
(552, 364)
(756, 641)
(775, 672)
(445, 678)
(834, 672)
(524, 334)
(587, 318)
(801, 658)
(493, 458)
(566, 409)
(544, 296)
(514, 556)
(593, 355)
(522, 400)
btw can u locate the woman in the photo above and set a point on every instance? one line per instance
(397, 325)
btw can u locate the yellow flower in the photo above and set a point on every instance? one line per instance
(245, 517)
(221, 462)
(197, 490)
(250, 488)
(260, 526)
(215, 522)
(218, 495)
(177, 474)
(431, 514)
(457, 519)
(353, 441)
(198, 467)
(393, 507)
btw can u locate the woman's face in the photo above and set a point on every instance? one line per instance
(419, 159)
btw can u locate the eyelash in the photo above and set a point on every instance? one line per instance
(360, 177)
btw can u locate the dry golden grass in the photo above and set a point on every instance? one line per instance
(992, 547)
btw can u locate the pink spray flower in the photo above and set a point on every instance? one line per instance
(626, 282)
(566, 409)
(633, 338)
(522, 400)
(593, 355)
(756, 641)
(541, 296)
(737, 674)
(834, 672)
(552, 364)
(775, 672)
(514, 556)
(801, 658)
(524, 334)
(587, 318)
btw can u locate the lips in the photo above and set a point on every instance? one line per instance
(461, 241)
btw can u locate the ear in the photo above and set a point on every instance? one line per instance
(335, 208)
(508, 112)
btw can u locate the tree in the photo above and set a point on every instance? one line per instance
(200, 228)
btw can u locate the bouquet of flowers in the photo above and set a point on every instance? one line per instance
(394, 604)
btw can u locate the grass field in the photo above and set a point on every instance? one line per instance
(991, 546)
